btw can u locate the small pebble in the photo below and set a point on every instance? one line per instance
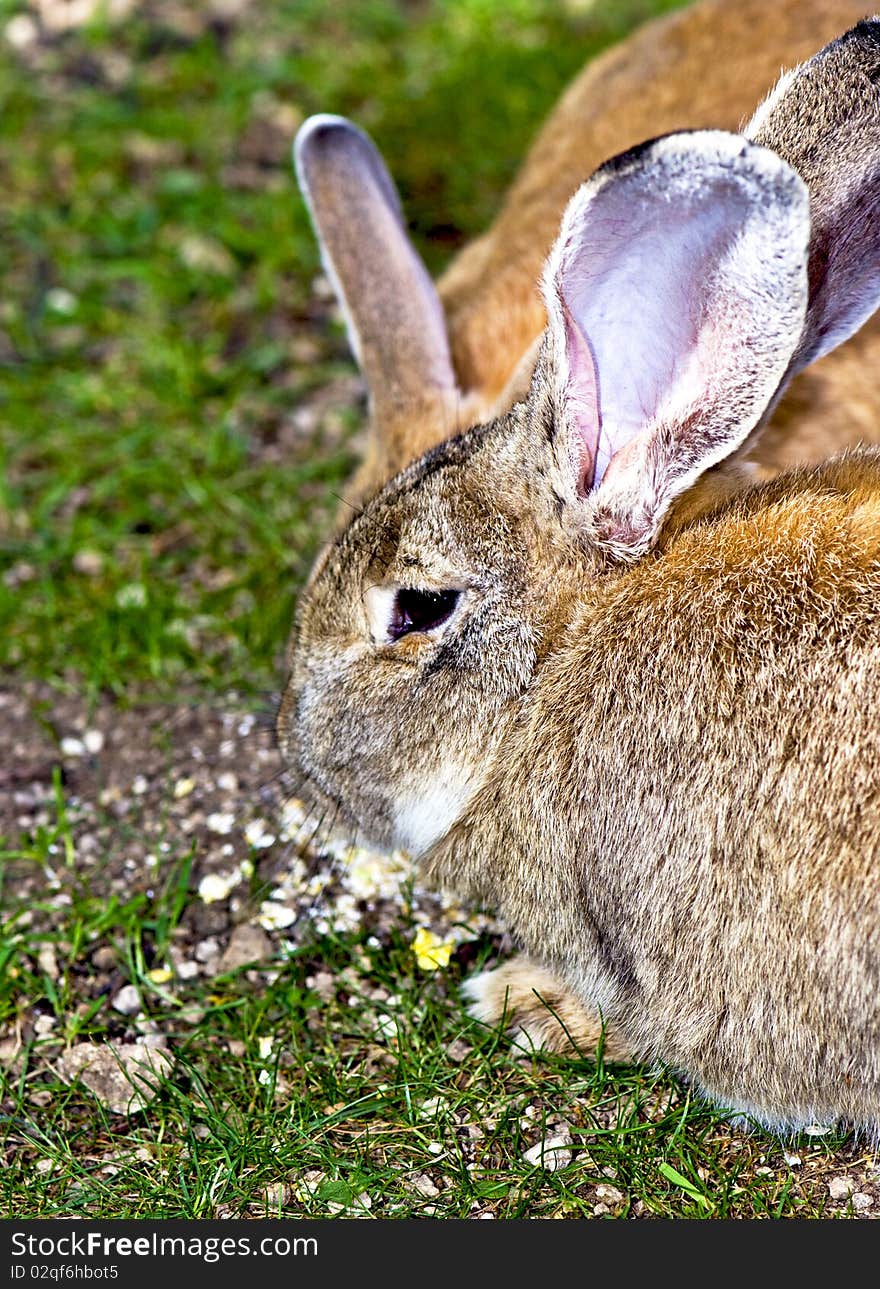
(21, 31)
(72, 747)
(127, 1001)
(550, 1154)
(258, 835)
(93, 741)
(88, 562)
(47, 961)
(247, 943)
(860, 1201)
(610, 1195)
(423, 1185)
(840, 1188)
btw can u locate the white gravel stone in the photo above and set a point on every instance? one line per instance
(550, 1154)
(94, 741)
(125, 1077)
(258, 835)
(840, 1188)
(207, 949)
(88, 562)
(422, 1185)
(72, 747)
(610, 1195)
(127, 1001)
(21, 31)
(47, 961)
(860, 1201)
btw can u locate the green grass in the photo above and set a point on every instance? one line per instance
(160, 503)
(286, 1100)
(157, 281)
(376, 1096)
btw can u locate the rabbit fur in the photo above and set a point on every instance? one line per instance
(632, 708)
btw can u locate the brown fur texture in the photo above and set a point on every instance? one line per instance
(662, 773)
(672, 781)
(707, 66)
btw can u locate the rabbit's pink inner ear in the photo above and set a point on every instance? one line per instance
(581, 402)
(675, 296)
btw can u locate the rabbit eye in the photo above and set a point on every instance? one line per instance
(420, 611)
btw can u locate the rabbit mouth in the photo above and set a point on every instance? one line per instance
(332, 789)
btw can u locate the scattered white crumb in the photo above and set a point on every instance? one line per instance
(222, 822)
(258, 835)
(216, 886)
(275, 916)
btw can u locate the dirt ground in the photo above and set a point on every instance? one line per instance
(145, 785)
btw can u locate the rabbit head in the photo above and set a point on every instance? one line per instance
(687, 286)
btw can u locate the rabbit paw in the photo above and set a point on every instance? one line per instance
(540, 1011)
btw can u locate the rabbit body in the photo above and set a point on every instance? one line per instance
(664, 776)
(683, 821)
(586, 679)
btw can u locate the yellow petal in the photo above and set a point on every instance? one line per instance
(430, 951)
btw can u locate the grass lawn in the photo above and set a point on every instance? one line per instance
(178, 410)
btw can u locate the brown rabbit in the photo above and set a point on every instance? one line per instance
(439, 360)
(647, 734)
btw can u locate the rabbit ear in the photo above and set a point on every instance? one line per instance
(823, 118)
(675, 294)
(395, 322)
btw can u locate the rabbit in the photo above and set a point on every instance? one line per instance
(437, 359)
(645, 730)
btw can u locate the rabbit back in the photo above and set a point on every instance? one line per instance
(685, 823)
